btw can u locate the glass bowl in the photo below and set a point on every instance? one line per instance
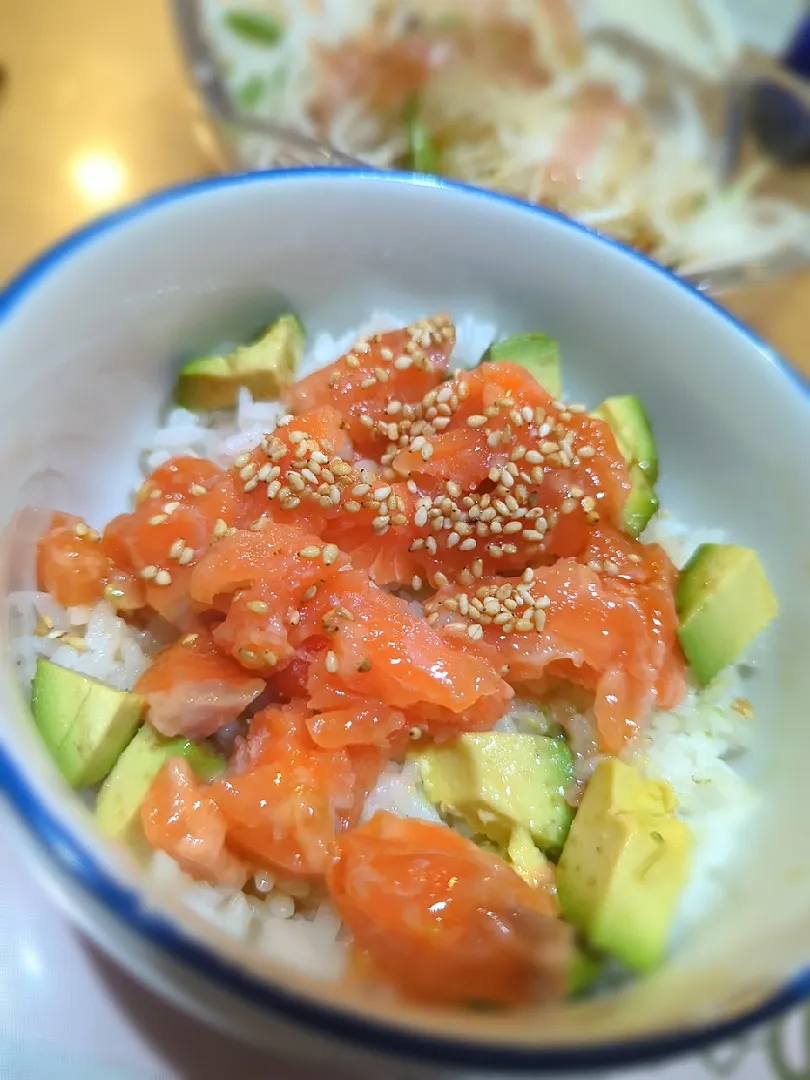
(240, 141)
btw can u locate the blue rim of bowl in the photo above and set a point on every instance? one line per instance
(123, 903)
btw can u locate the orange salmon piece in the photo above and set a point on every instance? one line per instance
(385, 652)
(76, 566)
(287, 804)
(193, 689)
(182, 508)
(443, 921)
(180, 817)
(616, 638)
(399, 366)
(262, 581)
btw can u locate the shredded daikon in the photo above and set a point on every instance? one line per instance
(514, 95)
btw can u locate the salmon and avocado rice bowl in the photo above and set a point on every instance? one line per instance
(394, 667)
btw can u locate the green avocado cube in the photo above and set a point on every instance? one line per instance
(85, 724)
(540, 355)
(724, 601)
(124, 790)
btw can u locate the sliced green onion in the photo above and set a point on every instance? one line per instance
(251, 92)
(253, 26)
(422, 153)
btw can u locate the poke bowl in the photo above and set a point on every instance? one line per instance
(405, 624)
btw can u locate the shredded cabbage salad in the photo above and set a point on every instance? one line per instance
(535, 98)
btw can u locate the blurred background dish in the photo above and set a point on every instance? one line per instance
(630, 115)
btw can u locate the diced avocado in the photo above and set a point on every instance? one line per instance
(723, 600)
(497, 782)
(264, 367)
(85, 724)
(631, 428)
(423, 156)
(123, 792)
(526, 858)
(206, 382)
(540, 355)
(624, 865)
(641, 505)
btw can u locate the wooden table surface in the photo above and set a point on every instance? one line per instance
(96, 110)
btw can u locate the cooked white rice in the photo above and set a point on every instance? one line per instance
(694, 747)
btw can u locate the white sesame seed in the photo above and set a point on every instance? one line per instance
(430, 545)
(475, 631)
(241, 461)
(367, 384)
(331, 662)
(440, 579)
(273, 489)
(528, 576)
(523, 626)
(248, 471)
(476, 421)
(311, 551)
(421, 517)
(533, 536)
(416, 583)
(427, 451)
(351, 507)
(158, 519)
(197, 489)
(177, 549)
(148, 572)
(330, 554)
(539, 618)
(163, 577)
(257, 606)
(186, 556)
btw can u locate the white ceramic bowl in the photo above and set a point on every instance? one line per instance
(87, 335)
